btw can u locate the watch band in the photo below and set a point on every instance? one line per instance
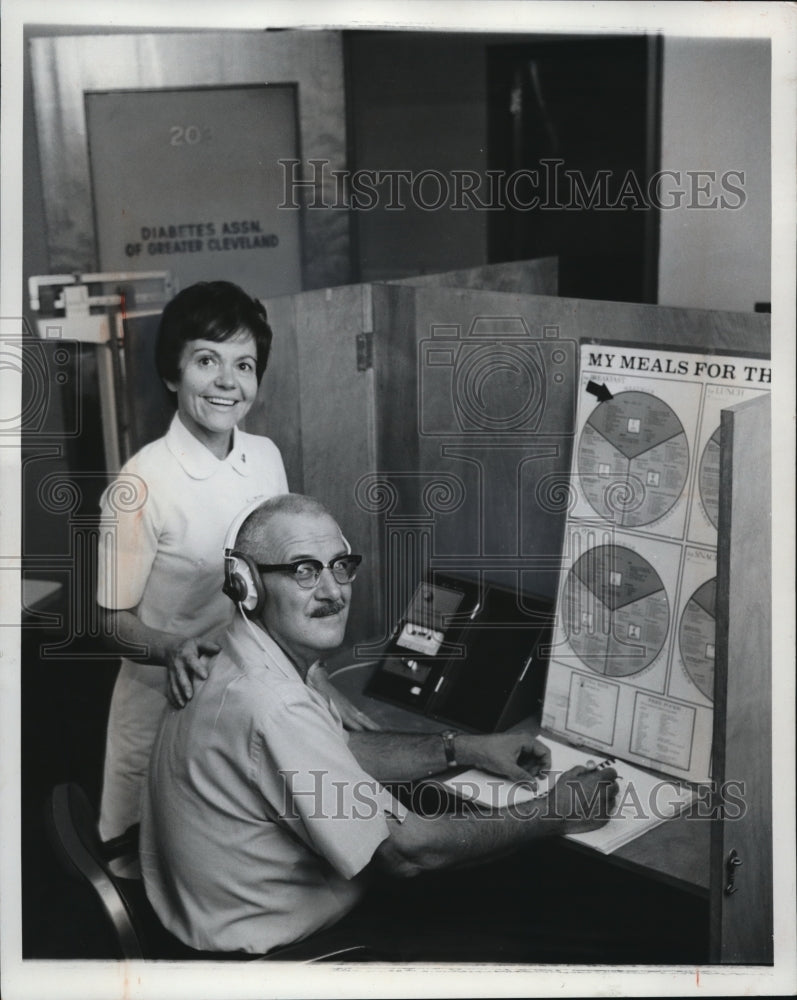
(448, 746)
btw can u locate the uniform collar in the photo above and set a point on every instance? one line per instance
(197, 460)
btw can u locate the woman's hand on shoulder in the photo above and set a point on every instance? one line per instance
(188, 659)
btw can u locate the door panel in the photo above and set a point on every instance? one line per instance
(276, 410)
(188, 180)
(742, 894)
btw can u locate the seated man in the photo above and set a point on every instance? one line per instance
(264, 818)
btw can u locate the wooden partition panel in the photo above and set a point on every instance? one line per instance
(528, 277)
(742, 893)
(276, 410)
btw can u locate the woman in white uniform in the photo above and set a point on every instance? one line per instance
(160, 556)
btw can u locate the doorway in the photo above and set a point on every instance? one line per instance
(573, 135)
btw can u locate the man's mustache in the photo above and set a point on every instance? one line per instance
(328, 609)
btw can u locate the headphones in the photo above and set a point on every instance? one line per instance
(242, 582)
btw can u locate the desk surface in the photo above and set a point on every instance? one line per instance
(675, 852)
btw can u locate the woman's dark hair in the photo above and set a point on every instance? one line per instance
(209, 310)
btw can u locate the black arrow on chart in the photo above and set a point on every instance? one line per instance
(600, 391)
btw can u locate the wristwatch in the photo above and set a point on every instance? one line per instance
(448, 745)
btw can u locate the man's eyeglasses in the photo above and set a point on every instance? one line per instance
(307, 571)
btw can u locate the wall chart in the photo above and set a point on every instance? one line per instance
(631, 671)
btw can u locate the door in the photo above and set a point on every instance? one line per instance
(741, 861)
(189, 180)
(573, 130)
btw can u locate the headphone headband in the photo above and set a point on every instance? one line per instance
(235, 527)
(232, 532)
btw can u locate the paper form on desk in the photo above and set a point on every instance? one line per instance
(644, 800)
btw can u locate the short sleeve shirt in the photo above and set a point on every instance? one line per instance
(258, 820)
(164, 521)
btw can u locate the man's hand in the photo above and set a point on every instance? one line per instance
(353, 718)
(190, 657)
(517, 756)
(583, 798)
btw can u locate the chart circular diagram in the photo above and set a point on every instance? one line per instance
(615, 611)
(633, 458)
(708, 477)
(697, 635)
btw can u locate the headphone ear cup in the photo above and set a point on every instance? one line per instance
(242, 583)
(255, 593)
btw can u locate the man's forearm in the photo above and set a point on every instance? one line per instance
(406, 756)
(425, 843)
(581, 800)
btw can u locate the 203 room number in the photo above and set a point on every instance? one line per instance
(188, 135)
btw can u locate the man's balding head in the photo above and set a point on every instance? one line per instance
(253, 535)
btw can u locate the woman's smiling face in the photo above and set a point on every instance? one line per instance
(217, 386)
